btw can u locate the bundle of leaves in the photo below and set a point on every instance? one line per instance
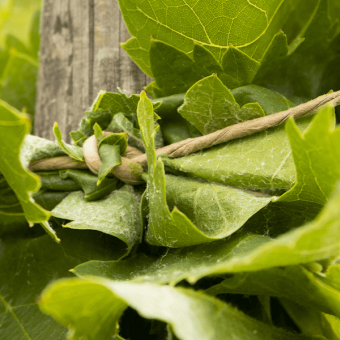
(169, 235)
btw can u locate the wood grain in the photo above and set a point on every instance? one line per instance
(80, 55)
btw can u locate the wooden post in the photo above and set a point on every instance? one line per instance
(80, 55)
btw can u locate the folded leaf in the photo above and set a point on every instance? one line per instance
(116, 215)
(110, 149)
(73, 151)
(92, 309)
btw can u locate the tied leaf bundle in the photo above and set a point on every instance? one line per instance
(210, 211)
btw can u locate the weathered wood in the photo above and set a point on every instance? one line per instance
(80, 55)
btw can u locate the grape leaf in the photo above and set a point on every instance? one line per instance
(242, 24)
(210, 106)
(116, 215)
(83, 305)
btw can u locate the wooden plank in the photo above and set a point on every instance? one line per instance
(80, 55)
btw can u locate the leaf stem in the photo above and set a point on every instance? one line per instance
(50, 231)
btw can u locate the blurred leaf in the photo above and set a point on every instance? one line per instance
(83, 305)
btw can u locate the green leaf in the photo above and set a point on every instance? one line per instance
(298, 73)
(311, 322)
(35, 34)
(52, 180)
(216, 210)
(240, 253)
(29, 264)
(50, 199)
(317, 171)
(169, 105)
(175, 129)
(120, 123)
(210, 106)
(242, 24)
(240, 69)
(12, 217)
(116, 215)
(110, 149)
(18, 82)
(88, 183)
(83, 305)
(13, 128)
(317, 168)
(260, 161)
(295, 283)
(3, 60)
(73, 151)
(173, 70)
(270, 101)
(103, 111)
(35, 148)
(14, 43)
(98, 133)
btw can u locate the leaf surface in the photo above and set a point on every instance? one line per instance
(88, 183)
(241, 24)
(110, 149)
(295, 283)
(217, 211)
(29, 264)
(73, 151)
(210, 106)
(116, 215)
(240, 253)
(191, 315)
